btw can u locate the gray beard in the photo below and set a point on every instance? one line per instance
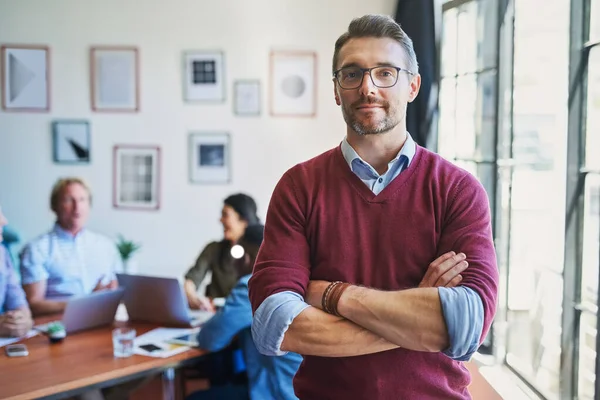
(384, 126)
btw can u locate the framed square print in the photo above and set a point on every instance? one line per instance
(136, 177)
(209, 155)
(293, 83)
(204, 78)
(246, 97)
(114, 79)
(25, 74)
(71, 142)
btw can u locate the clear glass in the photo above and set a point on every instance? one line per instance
(447, 121)
(592, 137)
(587, 357)
(467, 38)
(538, 193)
(123, 342)
(449, 44)
(594, 20)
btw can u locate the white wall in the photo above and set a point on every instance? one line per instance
(262, 147)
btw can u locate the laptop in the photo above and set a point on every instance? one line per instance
(159, 300)
(89, 311)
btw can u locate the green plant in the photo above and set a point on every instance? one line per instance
(55, 327)
(127, 248)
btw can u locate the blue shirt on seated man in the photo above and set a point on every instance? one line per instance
(268, 377)
(15, 316)
(69, 260)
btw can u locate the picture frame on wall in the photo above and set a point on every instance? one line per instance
(25, 71)
(136, 177)
(114, 73)
(246, 97)
(293, 85)
(209, 157)
(204, 76)
(71, 142)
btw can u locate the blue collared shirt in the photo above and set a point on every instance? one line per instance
(461, 306)
(11, 292)
(268, 377)
(70, 265)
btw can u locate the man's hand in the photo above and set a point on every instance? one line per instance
(200, 303)
(445, 271)
(109, 286)
(16, 323)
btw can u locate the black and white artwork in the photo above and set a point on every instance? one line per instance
(71, 142)
(137, 177)
(247, 97)
(293, 84)
(203, 76)
(25, 78)
(209, 158)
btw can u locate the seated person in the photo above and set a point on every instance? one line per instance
(70, 259)
(15, 317)
(239, 211)
(268, 377)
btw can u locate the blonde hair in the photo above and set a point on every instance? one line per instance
(60, 186)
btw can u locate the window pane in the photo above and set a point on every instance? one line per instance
(477, 36)
(447, 121)
(535, 328)
(449, 36)
(591, 241)
(595, 20)
(537, 224)
(587, 356)
(592, 155)
(467, 37)
(476, 116)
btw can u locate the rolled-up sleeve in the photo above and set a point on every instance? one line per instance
(273, 318)
(14, 295)
(463, 313)
(32, 264)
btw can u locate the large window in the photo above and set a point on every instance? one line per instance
(520, 109)
(536, 231)
(590, 255)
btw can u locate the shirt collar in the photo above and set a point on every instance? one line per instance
(408, 150)
(60, 232)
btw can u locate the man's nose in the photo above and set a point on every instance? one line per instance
(367, 86)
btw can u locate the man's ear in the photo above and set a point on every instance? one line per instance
(336, 94)
(415, 86)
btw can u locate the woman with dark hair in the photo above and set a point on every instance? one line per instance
(239, 212)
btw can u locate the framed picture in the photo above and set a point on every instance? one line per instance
(209, 155)
(293, 84)
(136, 177)
(25, 74)
(204, 78)
(71, 142)
(246, 97)
(114, 79)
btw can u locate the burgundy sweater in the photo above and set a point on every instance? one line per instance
(323, 222)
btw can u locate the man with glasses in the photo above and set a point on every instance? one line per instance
(345, 275)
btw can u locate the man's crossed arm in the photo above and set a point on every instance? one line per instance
(371, 320)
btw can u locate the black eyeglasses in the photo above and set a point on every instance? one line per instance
(382, 77)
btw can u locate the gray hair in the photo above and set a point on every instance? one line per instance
(378, 26)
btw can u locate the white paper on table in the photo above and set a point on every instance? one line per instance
(6, 341)
(159, 338)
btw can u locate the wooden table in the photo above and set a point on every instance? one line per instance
(83, 361)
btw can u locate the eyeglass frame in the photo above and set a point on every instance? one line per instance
(363, 70)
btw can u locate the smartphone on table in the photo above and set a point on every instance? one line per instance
(16, 350)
